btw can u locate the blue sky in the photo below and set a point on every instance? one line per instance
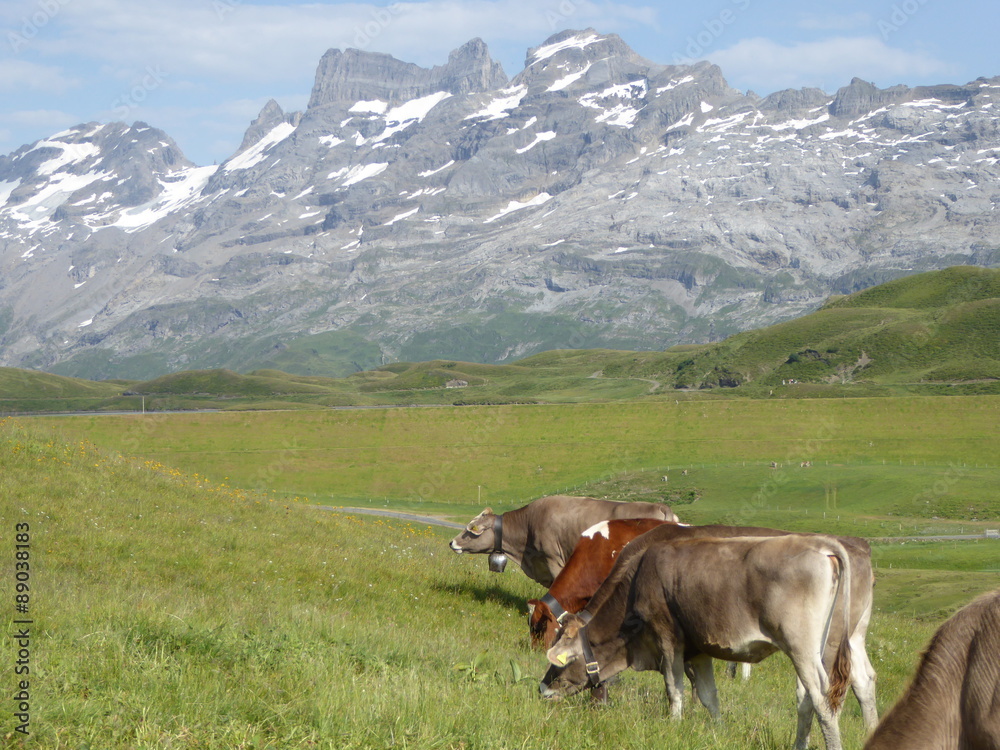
(202, 69)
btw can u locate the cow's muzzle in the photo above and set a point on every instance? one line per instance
(548, 693)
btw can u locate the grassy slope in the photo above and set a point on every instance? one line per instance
(935, 333)
(939, 326)
(28, 390)
(881, 461)
(174, 611)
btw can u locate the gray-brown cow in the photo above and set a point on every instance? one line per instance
(595, 553)
(541, 535)
(738, 599)
(953, 702)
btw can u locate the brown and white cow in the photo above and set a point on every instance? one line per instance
(541, 535)
(738, 599)
(599, 546)
(593, 557)
(953, 702)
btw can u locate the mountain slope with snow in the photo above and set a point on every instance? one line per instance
(595, 199)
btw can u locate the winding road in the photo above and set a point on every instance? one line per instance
(392, 514)
(432, 521)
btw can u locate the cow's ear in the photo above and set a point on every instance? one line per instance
(571, 625)
(560, 656)
(478, 524)
(532, 603)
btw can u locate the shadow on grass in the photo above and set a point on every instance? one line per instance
(491, 594)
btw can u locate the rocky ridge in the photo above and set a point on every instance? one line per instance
(595, 199)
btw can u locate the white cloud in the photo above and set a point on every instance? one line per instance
(21, 76)
(234, 40)
(46, 118)
(766, 65)
(835, 22)
(23, 126)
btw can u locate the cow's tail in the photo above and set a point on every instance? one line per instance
(840, 670)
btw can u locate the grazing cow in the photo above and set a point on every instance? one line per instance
(953, 702)
(541, 536)
(586, 569)
(668, 602)
(596, 553)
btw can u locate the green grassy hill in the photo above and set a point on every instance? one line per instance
(937, 328)
(928, 334)
(29, 390)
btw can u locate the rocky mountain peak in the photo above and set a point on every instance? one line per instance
(270, 117)
(418, 213)
(470, 69)
(585, 55)
(357, 75)
(860, 97)
(793, 100)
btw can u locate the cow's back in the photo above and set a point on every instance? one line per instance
(559, 520)
(951, 702)
(981, 686)
(552, 525)
(595, 553)
(721, 589)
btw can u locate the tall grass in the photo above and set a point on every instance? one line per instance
(883, 456)
(175, 611)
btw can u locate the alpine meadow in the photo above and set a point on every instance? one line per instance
(251, 411)
(188, 592)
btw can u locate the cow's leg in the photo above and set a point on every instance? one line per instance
(863, 682)
(805, 716)
(744, 670)
(816, 685)
(704, 683)
(672, 669)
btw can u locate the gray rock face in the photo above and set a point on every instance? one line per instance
(354, 75)
(596, 199)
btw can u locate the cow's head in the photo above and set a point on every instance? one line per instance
(477, 536)
(568, 672)
(542, 623)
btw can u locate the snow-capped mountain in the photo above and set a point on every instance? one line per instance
(596, 199)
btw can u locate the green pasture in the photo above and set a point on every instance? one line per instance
(879, 467)
(172, 609)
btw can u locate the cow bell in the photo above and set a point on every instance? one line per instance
(498, 561)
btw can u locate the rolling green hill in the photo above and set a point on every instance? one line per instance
(927, 334)
(30, 391)
(938, 328)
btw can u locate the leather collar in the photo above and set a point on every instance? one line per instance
(498, 533)
(590, 661)
(554, 606)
